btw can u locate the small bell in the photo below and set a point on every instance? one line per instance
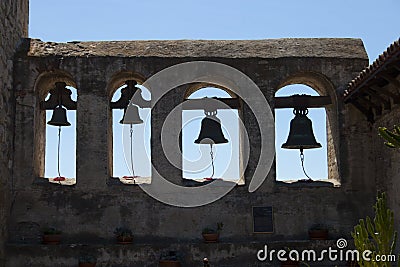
(301, 135)
(59, 117)
(132, 116)
(211, 131)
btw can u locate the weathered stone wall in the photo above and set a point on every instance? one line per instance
(387, 159)
(88, 212)
(13, 26)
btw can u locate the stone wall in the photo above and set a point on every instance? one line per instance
(13, 26)
(88, 212)
(387, 159)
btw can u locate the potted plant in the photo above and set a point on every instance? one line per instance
(318, 232)
(211, 235)
(51, 236)
(87, 261)
(169, 259)
(290, 263)
(352, 264)
(123, 235)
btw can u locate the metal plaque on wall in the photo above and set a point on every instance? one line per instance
(263, 220)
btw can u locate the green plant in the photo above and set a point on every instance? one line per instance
(87, 259)
(392, 137)
(123, 232)
(377, 235)
(318, 226)
(170, 256)
(51, 231)
(208, 230)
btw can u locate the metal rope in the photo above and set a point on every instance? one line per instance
(302, 163)
(58, 152)
(131, 137)
(212, 161)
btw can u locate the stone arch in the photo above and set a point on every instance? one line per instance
(198, 86)
(46, 80)
(118, 79)
(194, 87)
(43, 84)
(325, 87)
(315, 80)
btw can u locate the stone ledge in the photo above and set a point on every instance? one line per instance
(267, 48)
(190, 254)
(307, 184)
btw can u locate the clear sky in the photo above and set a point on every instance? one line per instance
(375, 22)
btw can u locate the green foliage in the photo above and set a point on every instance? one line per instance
(392, 137)
(209, 230)
(123, 232)
(377, 235)
(51, 231)
(220, 225)
(170, 255)
(87, 259)
(319, 226)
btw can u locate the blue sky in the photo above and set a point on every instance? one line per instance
(375, 22)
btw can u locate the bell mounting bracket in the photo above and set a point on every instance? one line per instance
(60, 95)
(301, 102)
(128, 93)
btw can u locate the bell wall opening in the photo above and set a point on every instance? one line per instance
(315, 160)
(202, 161)
(135, 136)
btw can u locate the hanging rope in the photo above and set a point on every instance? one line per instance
(131, 137)
(302, 163)
(58, 153)
(212, 161)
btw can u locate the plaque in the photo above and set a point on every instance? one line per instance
(263, 220)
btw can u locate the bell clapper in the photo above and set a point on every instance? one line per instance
(302, 164)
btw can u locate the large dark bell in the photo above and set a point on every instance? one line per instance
(59, 117)
(301, 135)
(132, 116)
(211, 132)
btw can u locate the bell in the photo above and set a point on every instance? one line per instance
(59, 117)
(301, 135)
(131, 117)
(211, 131)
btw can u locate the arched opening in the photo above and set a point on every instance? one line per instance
(60, 144)
(197, 160)
(288, 162)
(130, 152)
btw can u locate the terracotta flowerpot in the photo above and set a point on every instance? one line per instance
(318, 234)
(124, 240)
(169, 263)
(51, 239)
(211, 238)
(289, 263)
(87, 264)
(352, 264)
